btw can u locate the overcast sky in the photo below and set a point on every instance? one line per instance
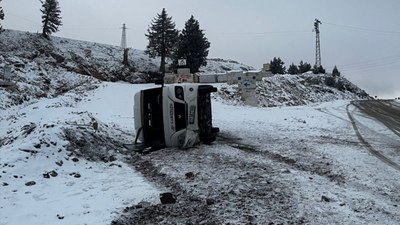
(361, 37)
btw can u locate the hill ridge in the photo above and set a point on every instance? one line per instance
(48, 68)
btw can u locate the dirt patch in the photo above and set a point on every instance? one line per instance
(92, 145)
(221, 189)
(188, 209)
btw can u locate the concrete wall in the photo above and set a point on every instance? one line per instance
(171, 78)
(222, 78)
(233, 77)
(230, 77)
(212, 78)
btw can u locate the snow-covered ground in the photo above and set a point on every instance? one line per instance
(330, 176)
(63, 161)
(67, 189)
(306, 160)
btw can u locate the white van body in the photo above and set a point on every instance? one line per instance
(176, 115)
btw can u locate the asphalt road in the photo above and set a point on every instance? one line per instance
(385, 111)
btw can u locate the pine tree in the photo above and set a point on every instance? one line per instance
(1, 17)
(276, 66)
(192, 46)
(321, 70)
(318, 70)
(162, 37)
(335, 72)
(293, 69)
(51, 17)
(315, 69)
(304, 67)
(330, 81)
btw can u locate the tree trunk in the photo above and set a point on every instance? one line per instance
(125, 60)
(44, 33)
(163, 56)
(162, 67)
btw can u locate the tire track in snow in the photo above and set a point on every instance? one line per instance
(383, 111)
(244, 188)
(367, 145)
(293, 163)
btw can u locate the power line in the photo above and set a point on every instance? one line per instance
(70, 28)
(373, 64)
(23, 18)
(363, 28)
(91, 28)
(372, 61)
(381, 68)
(259, 33)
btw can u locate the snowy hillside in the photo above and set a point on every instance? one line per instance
(98, 60)
(294, 90)
(223, 66)
(40, 67)
(63, 159)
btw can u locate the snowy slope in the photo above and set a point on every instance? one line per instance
(223, 66)
(295, 90)
(40, 67)
(98, 60)
(87, 58)
(56, 169)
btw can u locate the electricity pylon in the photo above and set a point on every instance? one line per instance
(125, 61)
(123, 39)
(317, 43)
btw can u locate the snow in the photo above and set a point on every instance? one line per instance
(322, 132)
(114, 105)
(297, 164)
(295, 90)
(312, 134)
(103, 188)
(99, 60)
(215, 66)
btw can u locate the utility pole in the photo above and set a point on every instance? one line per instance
(318, 47)
(124, 46)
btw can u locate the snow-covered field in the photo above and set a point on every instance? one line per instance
(285, 165)
(68, 189)
(63, 160)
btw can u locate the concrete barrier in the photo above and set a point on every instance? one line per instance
(230, 77)
(222, 78)
(233, 77)
(208, 78)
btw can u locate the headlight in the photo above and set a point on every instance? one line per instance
(179, 93)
